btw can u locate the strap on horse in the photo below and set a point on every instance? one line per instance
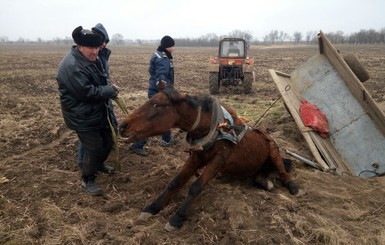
(231, 135)
(217, 132)
(216, 118)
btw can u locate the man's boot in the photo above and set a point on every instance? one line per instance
(106, 169)
(138, 151)
(89, 185)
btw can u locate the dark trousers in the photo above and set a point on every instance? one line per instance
(80, 152)
(97, 146)
(140, 143)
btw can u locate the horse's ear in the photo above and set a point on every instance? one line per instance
(182, 97)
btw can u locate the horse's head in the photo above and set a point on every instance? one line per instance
(155, 117)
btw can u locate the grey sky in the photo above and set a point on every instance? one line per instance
(152, 19)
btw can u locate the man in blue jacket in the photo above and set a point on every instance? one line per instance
(85, 92)
(161, 71)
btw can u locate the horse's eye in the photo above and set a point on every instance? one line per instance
(155, 105)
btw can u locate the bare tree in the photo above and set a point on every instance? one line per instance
(212, 39)
(297, 36)
(373, 36)
(272, 37)
(242, 34)
(311, 37)
(3, 39)
(336, 37)
(382, 35)
(283, 37)
(117, 39)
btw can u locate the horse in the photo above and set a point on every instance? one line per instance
(219, 143)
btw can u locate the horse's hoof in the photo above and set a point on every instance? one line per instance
(144, 216)
(170, 228)
(293, 188)
(270, 185)
(300, 193)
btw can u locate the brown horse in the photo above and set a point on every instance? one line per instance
(218, 140)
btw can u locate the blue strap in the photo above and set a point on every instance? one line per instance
(227, 116)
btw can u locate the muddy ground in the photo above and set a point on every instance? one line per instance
(41, 201)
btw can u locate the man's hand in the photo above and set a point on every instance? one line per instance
(115, 86)
(116, 89)
(161, 84)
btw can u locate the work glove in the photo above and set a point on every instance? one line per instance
(116, 92)
(161, 84)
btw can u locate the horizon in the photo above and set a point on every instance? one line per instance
(150, 19)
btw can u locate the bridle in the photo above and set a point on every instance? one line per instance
(157, 104)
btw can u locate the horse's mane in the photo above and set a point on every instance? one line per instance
(204, 102)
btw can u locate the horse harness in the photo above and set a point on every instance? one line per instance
(221, 128)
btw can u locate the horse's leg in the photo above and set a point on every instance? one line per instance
(188, 170)
(210, 171)
(279, 164)
(261, 180)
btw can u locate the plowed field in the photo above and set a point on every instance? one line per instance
(41, 201)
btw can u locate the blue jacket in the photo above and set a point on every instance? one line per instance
(104, 55)
(161, 68)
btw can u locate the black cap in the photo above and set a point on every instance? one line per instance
(86, 37)
(167, 42)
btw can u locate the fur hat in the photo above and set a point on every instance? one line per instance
(86, 37)
(99, 28)
(167, 42)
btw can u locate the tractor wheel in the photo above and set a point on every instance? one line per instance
(247, 83)
(213, 83)
(356, 67)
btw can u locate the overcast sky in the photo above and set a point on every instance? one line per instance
(152, 19)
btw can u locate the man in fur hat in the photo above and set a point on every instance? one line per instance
(85, 92)
(104, 55)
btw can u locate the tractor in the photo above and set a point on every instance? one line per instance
(231, 67)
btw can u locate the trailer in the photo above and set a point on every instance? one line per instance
(332, 82)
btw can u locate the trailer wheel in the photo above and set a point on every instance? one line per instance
(356, 67)
(213, 83)
(247, 83)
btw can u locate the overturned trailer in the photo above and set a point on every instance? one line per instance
(332, 82)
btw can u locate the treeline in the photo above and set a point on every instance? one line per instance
(275, 37)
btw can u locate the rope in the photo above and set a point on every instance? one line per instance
(287, 88)
(263, 115)
(122, 106)
(117, 164)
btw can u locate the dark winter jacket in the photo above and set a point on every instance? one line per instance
(104, 55)
(161, 68)
(84, 92)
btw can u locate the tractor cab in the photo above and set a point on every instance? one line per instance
(232, 48)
